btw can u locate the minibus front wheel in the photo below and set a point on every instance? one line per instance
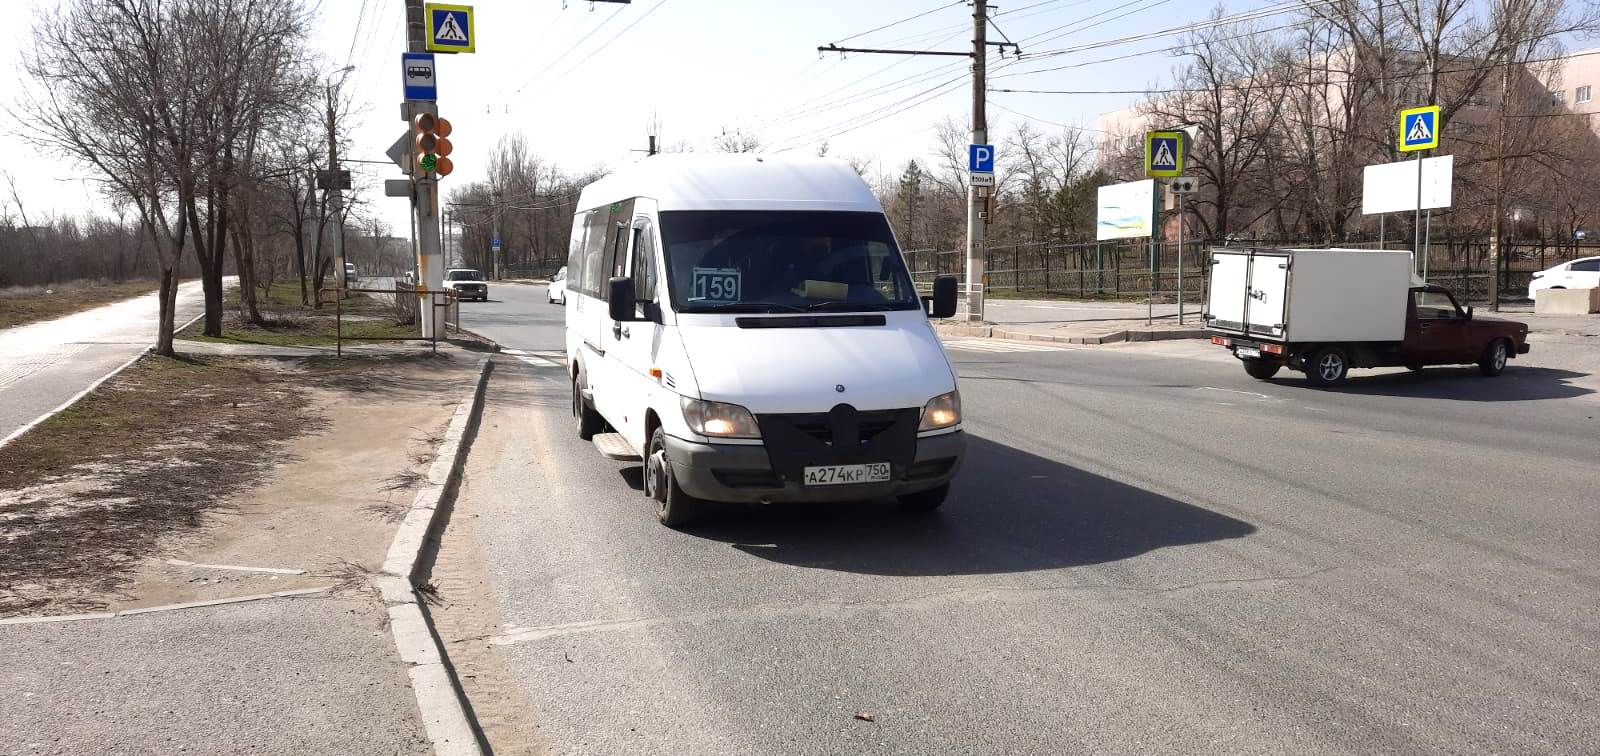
(674, 508)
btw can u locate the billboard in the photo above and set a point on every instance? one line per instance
(1125, 211)
(1392, 187)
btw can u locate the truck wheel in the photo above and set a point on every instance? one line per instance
(925, 501)
(674, 508)
(1262, 369)
(1327, 367)
(1493, 361)
(589, 421)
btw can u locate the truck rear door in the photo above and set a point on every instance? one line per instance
(1225, 304)
(1269, 293)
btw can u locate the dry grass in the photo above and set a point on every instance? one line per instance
(289, 323)
(29, 304)
(92, 489)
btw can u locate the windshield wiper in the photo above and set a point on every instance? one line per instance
(838, 306)
(744, 307)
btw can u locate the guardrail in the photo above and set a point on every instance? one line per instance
(445, 304)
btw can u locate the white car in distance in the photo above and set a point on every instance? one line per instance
(1582, 273)
(556, 292)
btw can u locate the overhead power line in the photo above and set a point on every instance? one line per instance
(1486, 66)
(602, 46)
(557, 59)
(1186, 28)
(901, 21)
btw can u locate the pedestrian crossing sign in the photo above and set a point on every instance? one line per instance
(1163, 153)
(1419, 128)
(450, 28)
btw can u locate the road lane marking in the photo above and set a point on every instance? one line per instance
(236, 568)
(1002, 345)
(1235, 391)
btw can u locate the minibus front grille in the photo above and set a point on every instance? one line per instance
(823, 431)
(843, 435)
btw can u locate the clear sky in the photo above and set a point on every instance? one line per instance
(582, 82)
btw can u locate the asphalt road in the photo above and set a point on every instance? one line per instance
(1147, 551)
(517, 315)
(45, 364)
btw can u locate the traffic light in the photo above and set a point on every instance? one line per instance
(432, 144)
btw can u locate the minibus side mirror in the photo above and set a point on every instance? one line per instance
(944, 297)
(622, 299)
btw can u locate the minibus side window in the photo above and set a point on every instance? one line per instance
(616, 250)
(644, 261)
(594, 255)
(575, 256)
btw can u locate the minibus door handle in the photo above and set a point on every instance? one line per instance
(619, 331)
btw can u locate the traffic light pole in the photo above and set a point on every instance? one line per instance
(425, 198)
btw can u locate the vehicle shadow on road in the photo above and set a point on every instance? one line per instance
(1516, 384)
(1009, 511)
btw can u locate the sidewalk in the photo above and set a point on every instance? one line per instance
(45, 364)
(226, 610)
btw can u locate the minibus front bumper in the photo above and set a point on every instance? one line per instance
(745, 473)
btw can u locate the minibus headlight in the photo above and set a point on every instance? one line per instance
(719, 420)
(942, 411)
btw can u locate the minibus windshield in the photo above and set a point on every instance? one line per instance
(784, 261)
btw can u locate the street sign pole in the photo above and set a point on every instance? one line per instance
(1416, 225)
(1427, 241)
(1180, 259)
(1419, 132)
(1155, 252)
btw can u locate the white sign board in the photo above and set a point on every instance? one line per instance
(982, 179)
(1126, 211)
(1392, 187)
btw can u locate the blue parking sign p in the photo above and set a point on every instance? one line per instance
(980, 158)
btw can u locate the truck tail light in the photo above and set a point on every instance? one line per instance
(1221, 341)
(1272, 348)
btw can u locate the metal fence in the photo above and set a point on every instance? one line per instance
(544, 270)
(405, 301)
(1121, 269)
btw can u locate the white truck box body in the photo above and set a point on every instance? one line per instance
(1310, 295)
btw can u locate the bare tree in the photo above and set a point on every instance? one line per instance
(112, 93)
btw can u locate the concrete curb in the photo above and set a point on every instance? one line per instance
(443, 708)
(494, 346)
(1111, 337)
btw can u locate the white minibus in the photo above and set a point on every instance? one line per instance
(746, 326)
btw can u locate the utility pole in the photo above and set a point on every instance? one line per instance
(425, 197)
(1498, 226)
(336, 193)
(977, 196)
